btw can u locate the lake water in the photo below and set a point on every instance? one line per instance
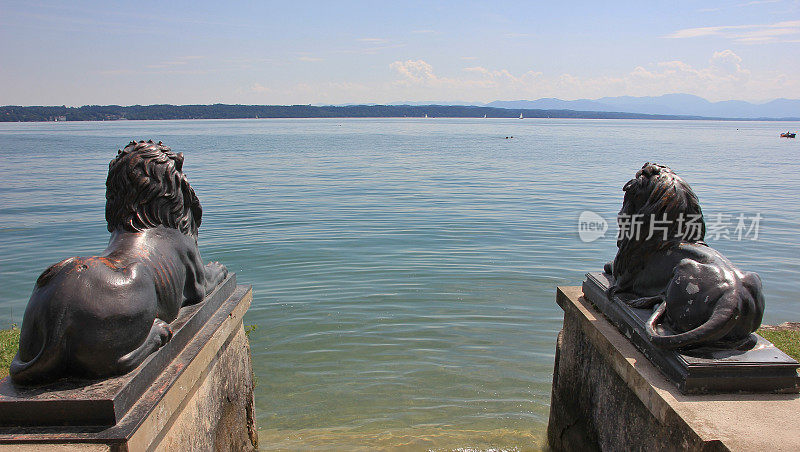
(404, 270)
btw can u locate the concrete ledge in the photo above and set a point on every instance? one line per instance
(607, 395)
(203, 400)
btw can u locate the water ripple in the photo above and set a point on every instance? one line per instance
(404, 271)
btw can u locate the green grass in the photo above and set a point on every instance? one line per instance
(786, 340)
(9, 342)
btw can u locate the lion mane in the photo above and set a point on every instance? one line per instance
(655, 194)
(146, 188)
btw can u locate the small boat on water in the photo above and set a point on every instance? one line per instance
(788, 135)
(520, 116)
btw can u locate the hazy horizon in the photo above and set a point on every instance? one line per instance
(401, 102)
(351, 52)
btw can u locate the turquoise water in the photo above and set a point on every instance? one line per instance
(404, 270)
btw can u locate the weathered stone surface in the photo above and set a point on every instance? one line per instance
(593, 409)
(220, 415)
(607, 396)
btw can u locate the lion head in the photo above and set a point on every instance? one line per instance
(146, 188)
(659, 210)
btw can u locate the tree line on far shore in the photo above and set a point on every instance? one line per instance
(224, 111)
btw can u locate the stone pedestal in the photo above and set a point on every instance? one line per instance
(196, 393)
(608, 396)
(759, 367)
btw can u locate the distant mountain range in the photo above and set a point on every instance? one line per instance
(668, 104)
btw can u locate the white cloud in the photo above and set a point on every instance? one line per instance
(752, 34)
(182, 65)
(372, 46)
(259, 88)
(503, 75)
(419, 72)
(723, 77)
(179, 61)
(728, 65)
(760, 2)
(414, 71)
(309, 59)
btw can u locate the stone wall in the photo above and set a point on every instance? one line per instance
(592, 408)
(220, 414)
(608, 396)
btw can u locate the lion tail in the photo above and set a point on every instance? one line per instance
(48, 359)
(42, 350)
(723, 319)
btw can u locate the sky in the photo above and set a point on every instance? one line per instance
(343, 52)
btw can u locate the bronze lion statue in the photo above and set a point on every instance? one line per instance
(103, 315)
(662, 260)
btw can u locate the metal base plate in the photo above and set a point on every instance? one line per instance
(761, 368)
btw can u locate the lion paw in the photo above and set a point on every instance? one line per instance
(163, 330)
(215, 274)
(645, 302)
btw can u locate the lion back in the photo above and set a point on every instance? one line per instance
(75, 323)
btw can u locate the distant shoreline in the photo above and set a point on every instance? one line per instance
(226, 111)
